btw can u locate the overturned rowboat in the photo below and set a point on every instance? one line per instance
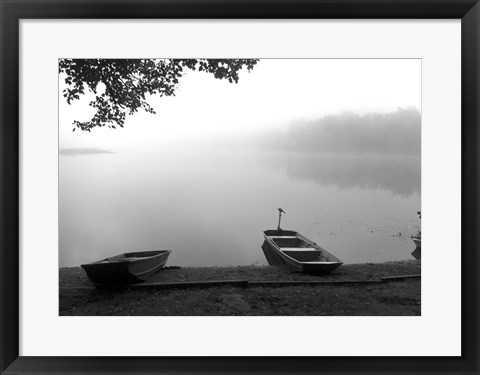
(126, 268)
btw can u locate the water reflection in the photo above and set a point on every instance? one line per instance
(401, 175)
(210, 208)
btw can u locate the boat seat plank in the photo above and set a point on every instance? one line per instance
(298, 249)
(277, 237)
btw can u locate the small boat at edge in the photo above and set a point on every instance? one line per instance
(126, 268)
(418, 241)
(418, 238)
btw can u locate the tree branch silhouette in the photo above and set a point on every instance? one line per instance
(121, 85)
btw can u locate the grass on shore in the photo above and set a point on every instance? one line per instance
(392, 298)
(396, 298)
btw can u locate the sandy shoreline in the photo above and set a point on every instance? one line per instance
(74, 276)
(393, 298)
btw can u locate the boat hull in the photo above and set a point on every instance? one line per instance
(418, 241)
(417, 253)
(127, 268)
(304, 255)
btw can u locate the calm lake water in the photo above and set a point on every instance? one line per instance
(210, 208)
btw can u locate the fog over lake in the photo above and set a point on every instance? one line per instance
(212, 207)
(206, 175)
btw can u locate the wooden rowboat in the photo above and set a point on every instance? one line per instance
(290, 248)
(126, 268)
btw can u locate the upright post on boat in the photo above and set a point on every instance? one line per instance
(280, 211)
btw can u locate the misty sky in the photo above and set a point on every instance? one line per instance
(273, 95)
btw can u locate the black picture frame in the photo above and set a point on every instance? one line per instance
(13, 11)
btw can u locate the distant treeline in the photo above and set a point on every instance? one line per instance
(396, 133)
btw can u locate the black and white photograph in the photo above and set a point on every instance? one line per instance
(244, 187)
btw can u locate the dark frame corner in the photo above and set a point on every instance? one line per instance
(12, 11)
